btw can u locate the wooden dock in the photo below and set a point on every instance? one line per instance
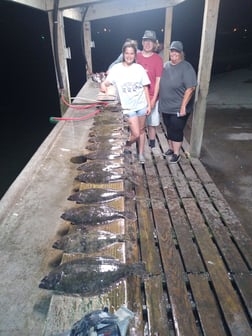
(197, 255)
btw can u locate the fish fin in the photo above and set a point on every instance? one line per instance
(130, 194)
(130, 215)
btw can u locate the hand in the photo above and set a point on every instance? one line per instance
(182, 111)
(148, 110)
(103, 87)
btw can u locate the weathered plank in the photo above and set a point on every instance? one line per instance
(206, 305)
(181, 228)
(134, 293)
(170, 257)
(184, 323)
(155, 304)
(231, 221)
(243, 282)
(156, 307)
(229, 301)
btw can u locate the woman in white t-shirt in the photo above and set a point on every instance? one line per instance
(131, 81)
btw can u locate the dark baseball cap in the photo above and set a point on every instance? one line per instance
(176, 45)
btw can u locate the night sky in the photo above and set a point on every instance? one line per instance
(28, 86)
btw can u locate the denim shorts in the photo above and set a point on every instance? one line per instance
(153, 119)
(138, 113)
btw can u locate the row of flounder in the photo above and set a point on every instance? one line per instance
(89, 275)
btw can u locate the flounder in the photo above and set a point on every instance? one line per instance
(100, 177)
(98, 195)
(97, 155)
(95, 214)
(87, 242)
(105, 165)
(88, 276)
(109, 133)
(103, 155)
(104, 146)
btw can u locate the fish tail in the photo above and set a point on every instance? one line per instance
(130, 194)
(138, 269)
(130, 215)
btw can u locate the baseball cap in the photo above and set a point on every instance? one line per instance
(176, 45)
(150, 35)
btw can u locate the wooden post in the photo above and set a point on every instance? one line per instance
(204, 74)
(87, 46)
(167, 33)
(62, 51)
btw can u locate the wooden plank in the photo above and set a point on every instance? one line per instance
(231, 221)
(179, 300)
(223, 239)
(220, 232)
(146, 228)
(134, 293)
(244, 285)
(181, 227)
(155, 303)
(229, 301)
(157, 314)
(184, 323)
(206, 305)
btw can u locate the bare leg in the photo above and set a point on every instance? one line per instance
(142, 133)
(176, 147)
(134, 129)
(170, 143)
(152, 132)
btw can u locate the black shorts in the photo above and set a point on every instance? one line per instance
(174, 126)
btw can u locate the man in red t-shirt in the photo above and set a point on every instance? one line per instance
(153, 64)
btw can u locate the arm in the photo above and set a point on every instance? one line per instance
(156, 91)
(104, 85)
(187, 96)
(146, 91)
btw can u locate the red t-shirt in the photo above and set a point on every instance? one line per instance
(153, 66)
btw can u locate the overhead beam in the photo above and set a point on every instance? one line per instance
(99, 9)
(115, 7)
(74, 14)
(38, 4)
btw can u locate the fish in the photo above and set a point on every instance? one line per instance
(108, 133)
(105, 165)
(100, 177)
(95, 214)
(78, 159)
(89, 275)
(107, 176)
(104, 146)
(87, 241)
(102, 155)
(105, 125)
(97, 155)
(98, 195)
(102, 138)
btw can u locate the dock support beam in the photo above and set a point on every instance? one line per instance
(63, 54)
(204, 74)
(167, 33)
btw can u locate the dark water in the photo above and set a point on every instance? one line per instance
(29, 95)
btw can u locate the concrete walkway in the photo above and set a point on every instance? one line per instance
(227, 146)
(231, 90)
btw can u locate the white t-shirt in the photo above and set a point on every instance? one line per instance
(130, 82)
